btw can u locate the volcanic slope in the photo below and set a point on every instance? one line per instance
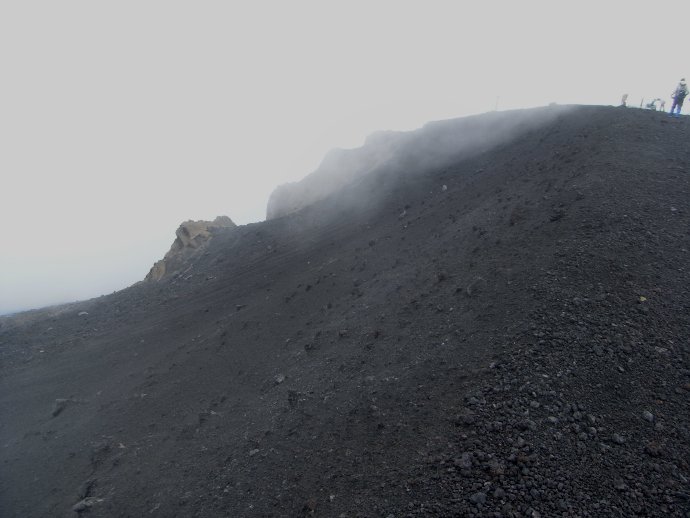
(505, 335)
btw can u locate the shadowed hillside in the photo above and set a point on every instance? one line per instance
(434, 146)
(500, 334)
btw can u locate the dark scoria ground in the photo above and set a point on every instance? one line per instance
(513, 345)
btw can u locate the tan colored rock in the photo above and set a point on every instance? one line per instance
(191, 236)
(157, 271)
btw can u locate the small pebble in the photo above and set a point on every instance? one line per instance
(478, 498)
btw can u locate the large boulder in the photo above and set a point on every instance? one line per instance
(192, 236)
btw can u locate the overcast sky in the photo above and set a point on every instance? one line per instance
(121, 119)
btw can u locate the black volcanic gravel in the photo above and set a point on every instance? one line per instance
(506, 336)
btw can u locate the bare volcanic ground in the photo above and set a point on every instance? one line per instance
(504, 336)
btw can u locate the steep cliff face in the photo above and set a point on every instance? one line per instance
(192, 236)
(436, 144)
(338, 168)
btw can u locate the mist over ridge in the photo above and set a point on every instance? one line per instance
(434, 145)
(504, 333)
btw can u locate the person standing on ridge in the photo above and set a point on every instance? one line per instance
(678, 95)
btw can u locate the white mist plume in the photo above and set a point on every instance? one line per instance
(434, 145)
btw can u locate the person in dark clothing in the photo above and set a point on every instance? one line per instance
(678, 95)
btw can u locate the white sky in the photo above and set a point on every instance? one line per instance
(121, 119)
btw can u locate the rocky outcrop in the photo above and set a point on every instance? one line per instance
(192, 236)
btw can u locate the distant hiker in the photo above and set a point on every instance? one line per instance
(678, 95)
(624, 100)
(652, 105)
(662, 105)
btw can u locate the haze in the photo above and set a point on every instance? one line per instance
(120, 120)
